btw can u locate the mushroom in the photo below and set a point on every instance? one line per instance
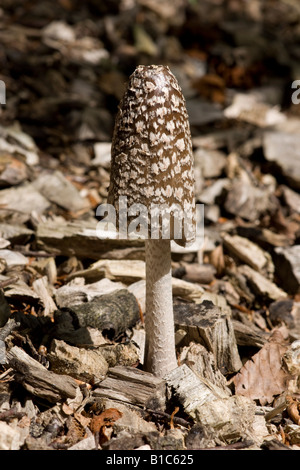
(152, 166)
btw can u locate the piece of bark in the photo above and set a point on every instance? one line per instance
(247, 201)
(291, 359)
(292, 199)
(12, 171)
(4, 309)
(230, 137)
(248, 252)
(274, 444)
(226, 289)
(39, 381)
(294, 331)
(10, 437)
(263, 236)
(77, 292)
(293, 434)
(280, 312)
(111, 313)
(202, 363)
(133, 253)
(248, 335)
(13, 258)
(201, 273)
(124, 441)
(66, 329)
(249, 108)
(191, 390)
(82, 364)
(282, 148)
(212, 193)
(287, 262)
(41, 288)
(186, 290)
(16, 234)
(122, 354)
(46, 267)
(211, 162)
(228, 419)
(260, 285)
(77, 238)
(9, 326)
(56, 188)
(199, 438)
(206, 324)
(131, 419)
(21, 291)
(133, 386)
(126, 271)
(19, 202)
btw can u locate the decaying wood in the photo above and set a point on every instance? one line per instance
(9, 326)
(39, 381)
(123, 354)
(19, 202)
(77, 238)
(79, 363)
(205, 323)
(287, 262)
(77, 291)
(110, 313)
(200, 273)
(56, 188)
(191, 390)
(248, 335)
(275, 149)
(127, 271)
(202, 363)
(264, 288)
(133, 386)
(4, 309)
(132, 417)
(248, 252)
(41, 288)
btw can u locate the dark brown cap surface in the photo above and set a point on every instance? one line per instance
(152, 159)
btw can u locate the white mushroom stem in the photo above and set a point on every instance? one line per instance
(160, 356)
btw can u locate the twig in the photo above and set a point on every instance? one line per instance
(168, 417)
(275, 411)
(9, 281)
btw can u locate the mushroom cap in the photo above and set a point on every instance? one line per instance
(152, 158)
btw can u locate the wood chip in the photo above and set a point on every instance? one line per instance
(261, 285)
(287, 262)
(39, 381)
(207, 324)
(133, 386)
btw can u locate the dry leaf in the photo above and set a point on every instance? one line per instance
(262, 377)
(293, 409)
(106, 418)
